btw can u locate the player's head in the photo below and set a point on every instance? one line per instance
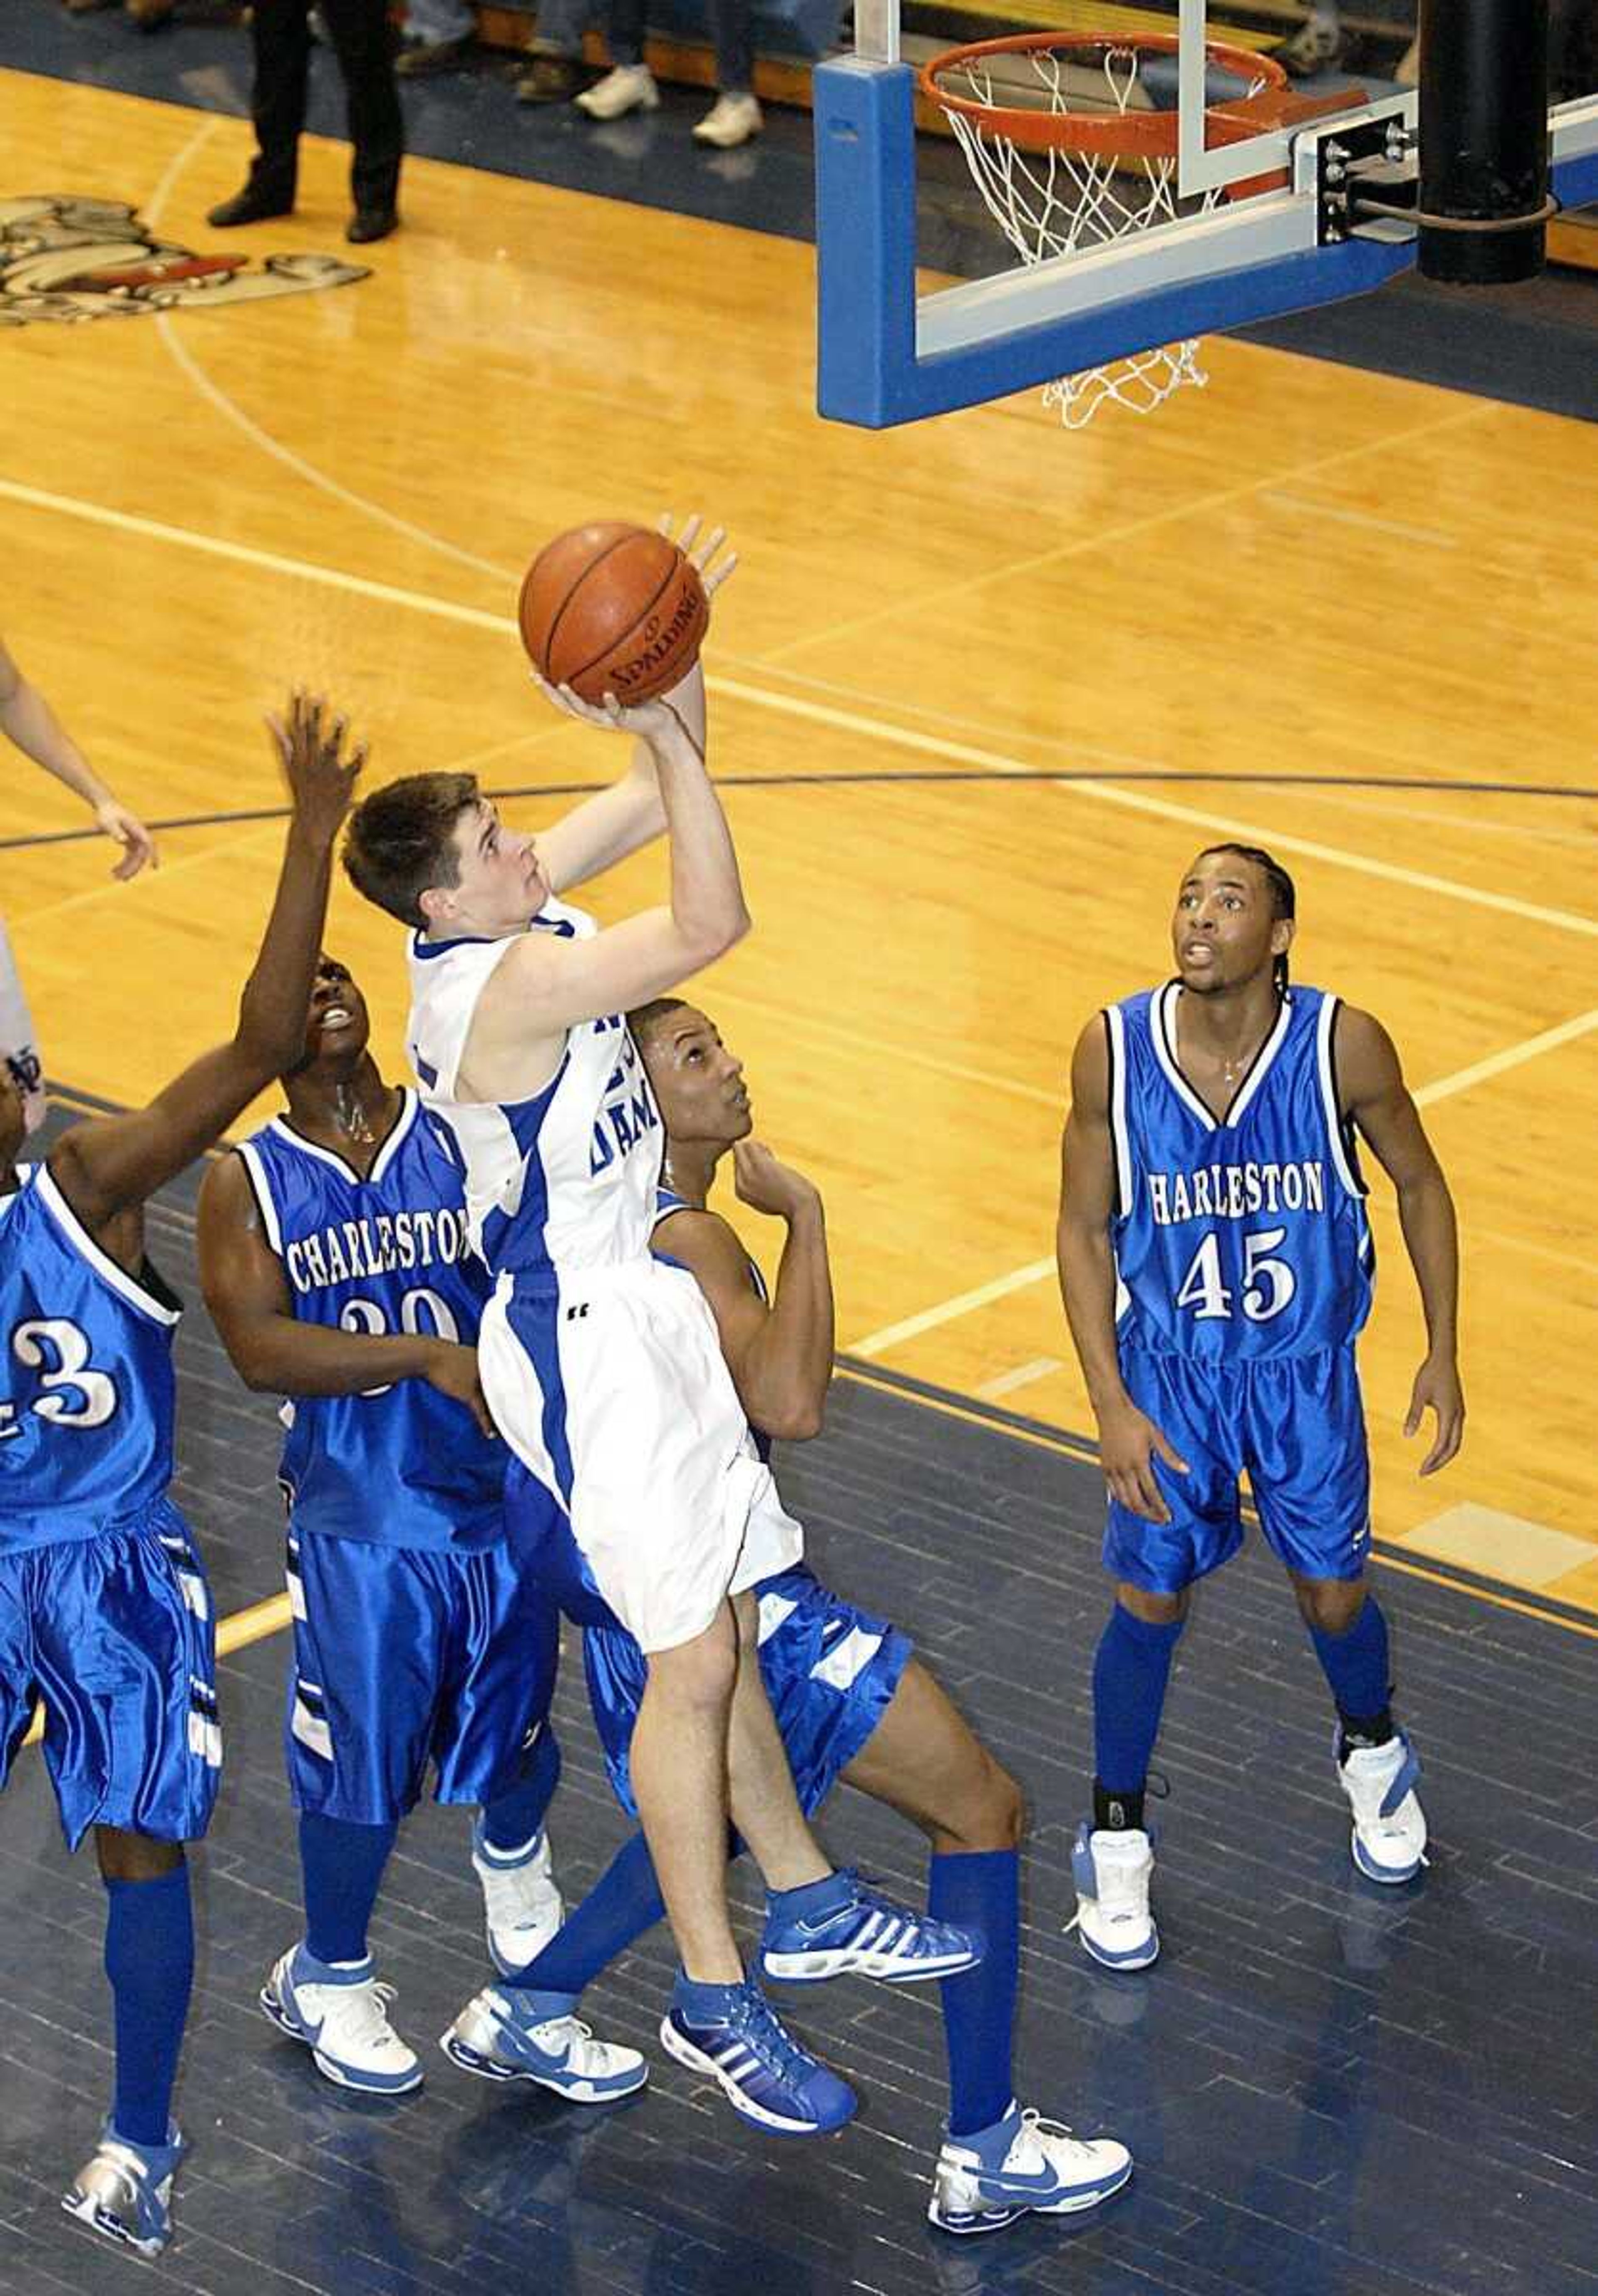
(698, 1085)
(14, 1122)
(432, 850)
(1234, 919)
(337, 1024)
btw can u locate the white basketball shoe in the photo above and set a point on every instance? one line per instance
(1112, 1872)
(1389, 1840)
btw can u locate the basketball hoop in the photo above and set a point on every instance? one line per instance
(1073, 143)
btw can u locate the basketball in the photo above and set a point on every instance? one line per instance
(612, 609)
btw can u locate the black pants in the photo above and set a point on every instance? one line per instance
(360, 32)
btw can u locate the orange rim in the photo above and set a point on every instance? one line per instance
(1115, 135)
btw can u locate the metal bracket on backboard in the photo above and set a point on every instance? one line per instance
(1370, 152)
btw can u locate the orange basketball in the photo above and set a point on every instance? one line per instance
(612, 609)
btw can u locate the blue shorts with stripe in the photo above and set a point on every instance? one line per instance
(115, 1635)
(830, 1668)
(1295, 1424)
(406, 1657)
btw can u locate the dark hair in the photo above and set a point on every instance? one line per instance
(399, 841)
(644, 1016)
(1284, 898)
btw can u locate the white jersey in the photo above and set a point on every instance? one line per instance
(560, 1183)
(602, 1367)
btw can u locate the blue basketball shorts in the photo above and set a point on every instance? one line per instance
(405, 1656)
(829, 1667)
(1294, 1423)
(115, 1636)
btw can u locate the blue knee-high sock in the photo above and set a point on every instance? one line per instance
(981, 1888)
(342, 1868)
(623, 1903)
(1357, 1665)
(512, 1819)
(1131, 1671)
(150, 1960)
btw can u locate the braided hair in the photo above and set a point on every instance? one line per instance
(1284, 899)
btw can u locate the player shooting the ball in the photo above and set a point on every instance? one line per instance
(602, 1366)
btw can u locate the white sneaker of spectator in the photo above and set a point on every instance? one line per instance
(733, 119)
(629, 87)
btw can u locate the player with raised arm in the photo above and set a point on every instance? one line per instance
(600, 1364)
(28, 720)
(851, 1699)
(1216, 1266)
(334, 1255)
(104, 1611)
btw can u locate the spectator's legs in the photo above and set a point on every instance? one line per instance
(280, 37)
(360, 32)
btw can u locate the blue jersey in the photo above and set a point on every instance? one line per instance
(403, 1464)
(86, 1387)
(1242, 1236)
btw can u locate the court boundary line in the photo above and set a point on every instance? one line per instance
(1065, 1443)
(878, 729)
(270, 1615)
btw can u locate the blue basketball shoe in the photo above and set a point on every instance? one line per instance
(732, 2035)
(1022, 2166)
(839, 1928)
(511, 2033)
(124, 2193)
(342, 2017)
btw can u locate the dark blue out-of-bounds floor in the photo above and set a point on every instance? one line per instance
(1533, 346)
(1332, 2090)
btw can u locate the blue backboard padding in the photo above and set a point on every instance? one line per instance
(868, 369)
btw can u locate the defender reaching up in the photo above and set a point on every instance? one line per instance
(602, 1367)
(104, 1610)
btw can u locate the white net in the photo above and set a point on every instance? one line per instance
(1055, 202)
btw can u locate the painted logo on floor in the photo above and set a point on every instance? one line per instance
(67, 258)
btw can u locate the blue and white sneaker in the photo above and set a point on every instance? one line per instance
(1022, 2166)
(124, 2193)
(507, 2034)
(1112, 1871)
(839, 1928)
(1389, 1840)
(342, 2017)
(732, 2034)
(521, 1906)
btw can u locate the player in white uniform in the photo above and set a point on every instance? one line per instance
(602, 1367)
(26, 719)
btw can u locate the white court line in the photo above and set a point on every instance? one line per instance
(229, 409)
(1026, 1374)
(1019, 1279)
(880, 731)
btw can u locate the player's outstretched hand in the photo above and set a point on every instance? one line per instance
(453, 1371)
(767, 1186)
(130, 834)
(702, 554)
(310, 742)
(1129, 1443)
(1436, 1389)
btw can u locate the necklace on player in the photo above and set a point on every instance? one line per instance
(352, 1117)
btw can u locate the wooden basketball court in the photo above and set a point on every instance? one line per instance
(980, 690)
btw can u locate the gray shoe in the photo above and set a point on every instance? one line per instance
(552, 79)
(425, 58)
